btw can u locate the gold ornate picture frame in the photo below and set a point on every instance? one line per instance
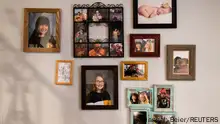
(134, 70)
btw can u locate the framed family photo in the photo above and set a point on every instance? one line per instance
(163, 98)
(99, 87)
(64, 72)
(139, 116)
(144, 45)
(181, 62)
(154, 14)
(134, 70)
(41, 30)
(163, 118)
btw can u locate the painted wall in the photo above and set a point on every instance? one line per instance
(27, 91)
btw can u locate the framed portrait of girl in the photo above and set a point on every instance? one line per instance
(41, 30)
(99, 87)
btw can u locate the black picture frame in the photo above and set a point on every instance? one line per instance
(173, 24)
(114, 69)
(112, 17)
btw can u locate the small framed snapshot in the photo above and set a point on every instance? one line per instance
(163, 98)
(144, 45)
(41, 31)
(99, 87)
(139, 116)
(64, 72)
(163, 118)
(140, 97)
(181, 62)
(134, 70)
(154, 14)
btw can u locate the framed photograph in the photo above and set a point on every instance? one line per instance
(98, 30)
(163, 118)
(181, 62)
(99, 87)
(154, 14)
(144, 45)
(134, 70)
(64, 72)
(41, 30)
(139, 116)
(140, 97)
(163, 98)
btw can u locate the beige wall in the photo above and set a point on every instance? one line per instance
(27, 91)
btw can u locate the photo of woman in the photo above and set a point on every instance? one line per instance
(144, 45)
(134, 98)
(143, 98)
(140, 96)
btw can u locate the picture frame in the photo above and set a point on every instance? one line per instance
(140, 73)
(41, 31)
(164, 98)
(136, 97)
(99, 80)
(149, 14)
(139, 116)
(181, 62)
(64, 72)
(98, 30)
(157, 117)
(144, 45)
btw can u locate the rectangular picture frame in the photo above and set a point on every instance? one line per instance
(143, 114)
(172, 119)
(175, 71)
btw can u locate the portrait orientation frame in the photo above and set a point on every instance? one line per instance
(139, 106)
(156, 52)
(174, 114)
(147, 110)
(134, 63)
(108, 42)
(192, 62)
(113, 68)
(26, 48)
(71, 72)
(171, 109)
(154, 25)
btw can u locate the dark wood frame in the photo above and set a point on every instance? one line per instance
(25, 30)
(192, 64)
(151, 26)
(99, 5)
(83, 87)
(145, 36)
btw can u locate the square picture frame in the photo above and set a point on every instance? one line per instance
(64, 72)
(149, 14)
(98, 30)
(136, 98)
(160, 117)
(99, 87)
(164, 98)
(134, 70)
(139, 116)
(181, 62)
(144, 45)
(41, 31)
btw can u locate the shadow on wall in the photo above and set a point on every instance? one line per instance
(17, 74)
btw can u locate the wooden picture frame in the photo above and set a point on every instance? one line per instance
(140, 115)
(141, 72)
(164, 93)
(98, 80)
(64, 72)
(144, 45)
(41, 32)
(160, 117)
(181, 62)
(149, 20)
(98, 30)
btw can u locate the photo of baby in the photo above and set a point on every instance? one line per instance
(144, 45)
(181, 62)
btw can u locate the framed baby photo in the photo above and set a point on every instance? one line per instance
(163, 118)
(139, 116)
(98, 30)
(140, 97)
(41, 30)
(154, 14)
(181, 62)
(134, 70)
(144, 45)
(64, 72)
(99, 87)
(163, 98)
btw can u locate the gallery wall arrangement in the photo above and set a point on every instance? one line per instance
(98, 32)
